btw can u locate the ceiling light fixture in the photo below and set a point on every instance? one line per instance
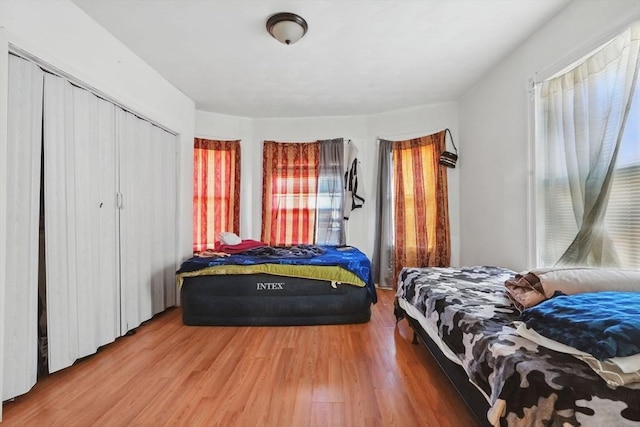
(286, 27)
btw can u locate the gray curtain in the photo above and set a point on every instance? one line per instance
(329, 227)
(383, 251)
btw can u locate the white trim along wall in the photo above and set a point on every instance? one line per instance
(4, 80)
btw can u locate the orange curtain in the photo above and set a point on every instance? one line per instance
(289, 181)
(421, 203)
(216, 191)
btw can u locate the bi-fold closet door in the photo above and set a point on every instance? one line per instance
(81, 231)
(148, 211)
(109, 216)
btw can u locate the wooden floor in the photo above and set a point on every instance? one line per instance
(168, 374)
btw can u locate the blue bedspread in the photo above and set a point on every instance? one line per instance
(347, 257)
(603, 324)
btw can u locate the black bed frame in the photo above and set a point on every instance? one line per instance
(270, 300)
(471, 396)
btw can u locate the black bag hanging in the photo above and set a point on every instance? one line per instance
(448, 158)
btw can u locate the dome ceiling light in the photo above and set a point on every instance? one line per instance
(286, 27)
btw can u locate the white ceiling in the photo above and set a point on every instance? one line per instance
(358, 57)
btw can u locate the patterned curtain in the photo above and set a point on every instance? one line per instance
(421, 204)
(216, 191)
(289, 182)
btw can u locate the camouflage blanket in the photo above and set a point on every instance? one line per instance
(525, 384)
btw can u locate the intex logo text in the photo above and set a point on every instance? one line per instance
(268, 286)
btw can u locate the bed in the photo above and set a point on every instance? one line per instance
(466, 318)
(277, 286)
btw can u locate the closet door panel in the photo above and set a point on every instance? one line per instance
(23, 191)
(98, 288)
(60, 236)
(168, 201)
(135, 218)
(165, 219)
(156, 171)
(80, 222)
(148, 193)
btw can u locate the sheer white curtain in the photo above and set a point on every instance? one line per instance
(147, 160)
(583, 114)
(23, 190)
(80, 222)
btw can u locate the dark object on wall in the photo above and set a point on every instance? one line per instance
(448, 158)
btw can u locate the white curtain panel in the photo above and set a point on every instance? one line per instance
(83, 306)
(148, 188)
(23, 185)
(584, 113)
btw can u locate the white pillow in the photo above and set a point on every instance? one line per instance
(230, 239)
(575, 280)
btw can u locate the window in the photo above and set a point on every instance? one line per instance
(420, 199)
(622, 220)
(588, 186)
(412, 227)
(302, 193)
(216, 191)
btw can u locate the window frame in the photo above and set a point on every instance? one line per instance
(537, 146)
(231, 198)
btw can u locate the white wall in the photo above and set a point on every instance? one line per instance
(496, 220)
(60, 34)
(361, 130)
(226, 128)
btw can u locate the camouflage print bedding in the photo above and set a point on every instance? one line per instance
(526, 384)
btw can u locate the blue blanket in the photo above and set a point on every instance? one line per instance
(347, 257)
(603, 324)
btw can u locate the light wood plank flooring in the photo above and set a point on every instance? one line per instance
(168, 374)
